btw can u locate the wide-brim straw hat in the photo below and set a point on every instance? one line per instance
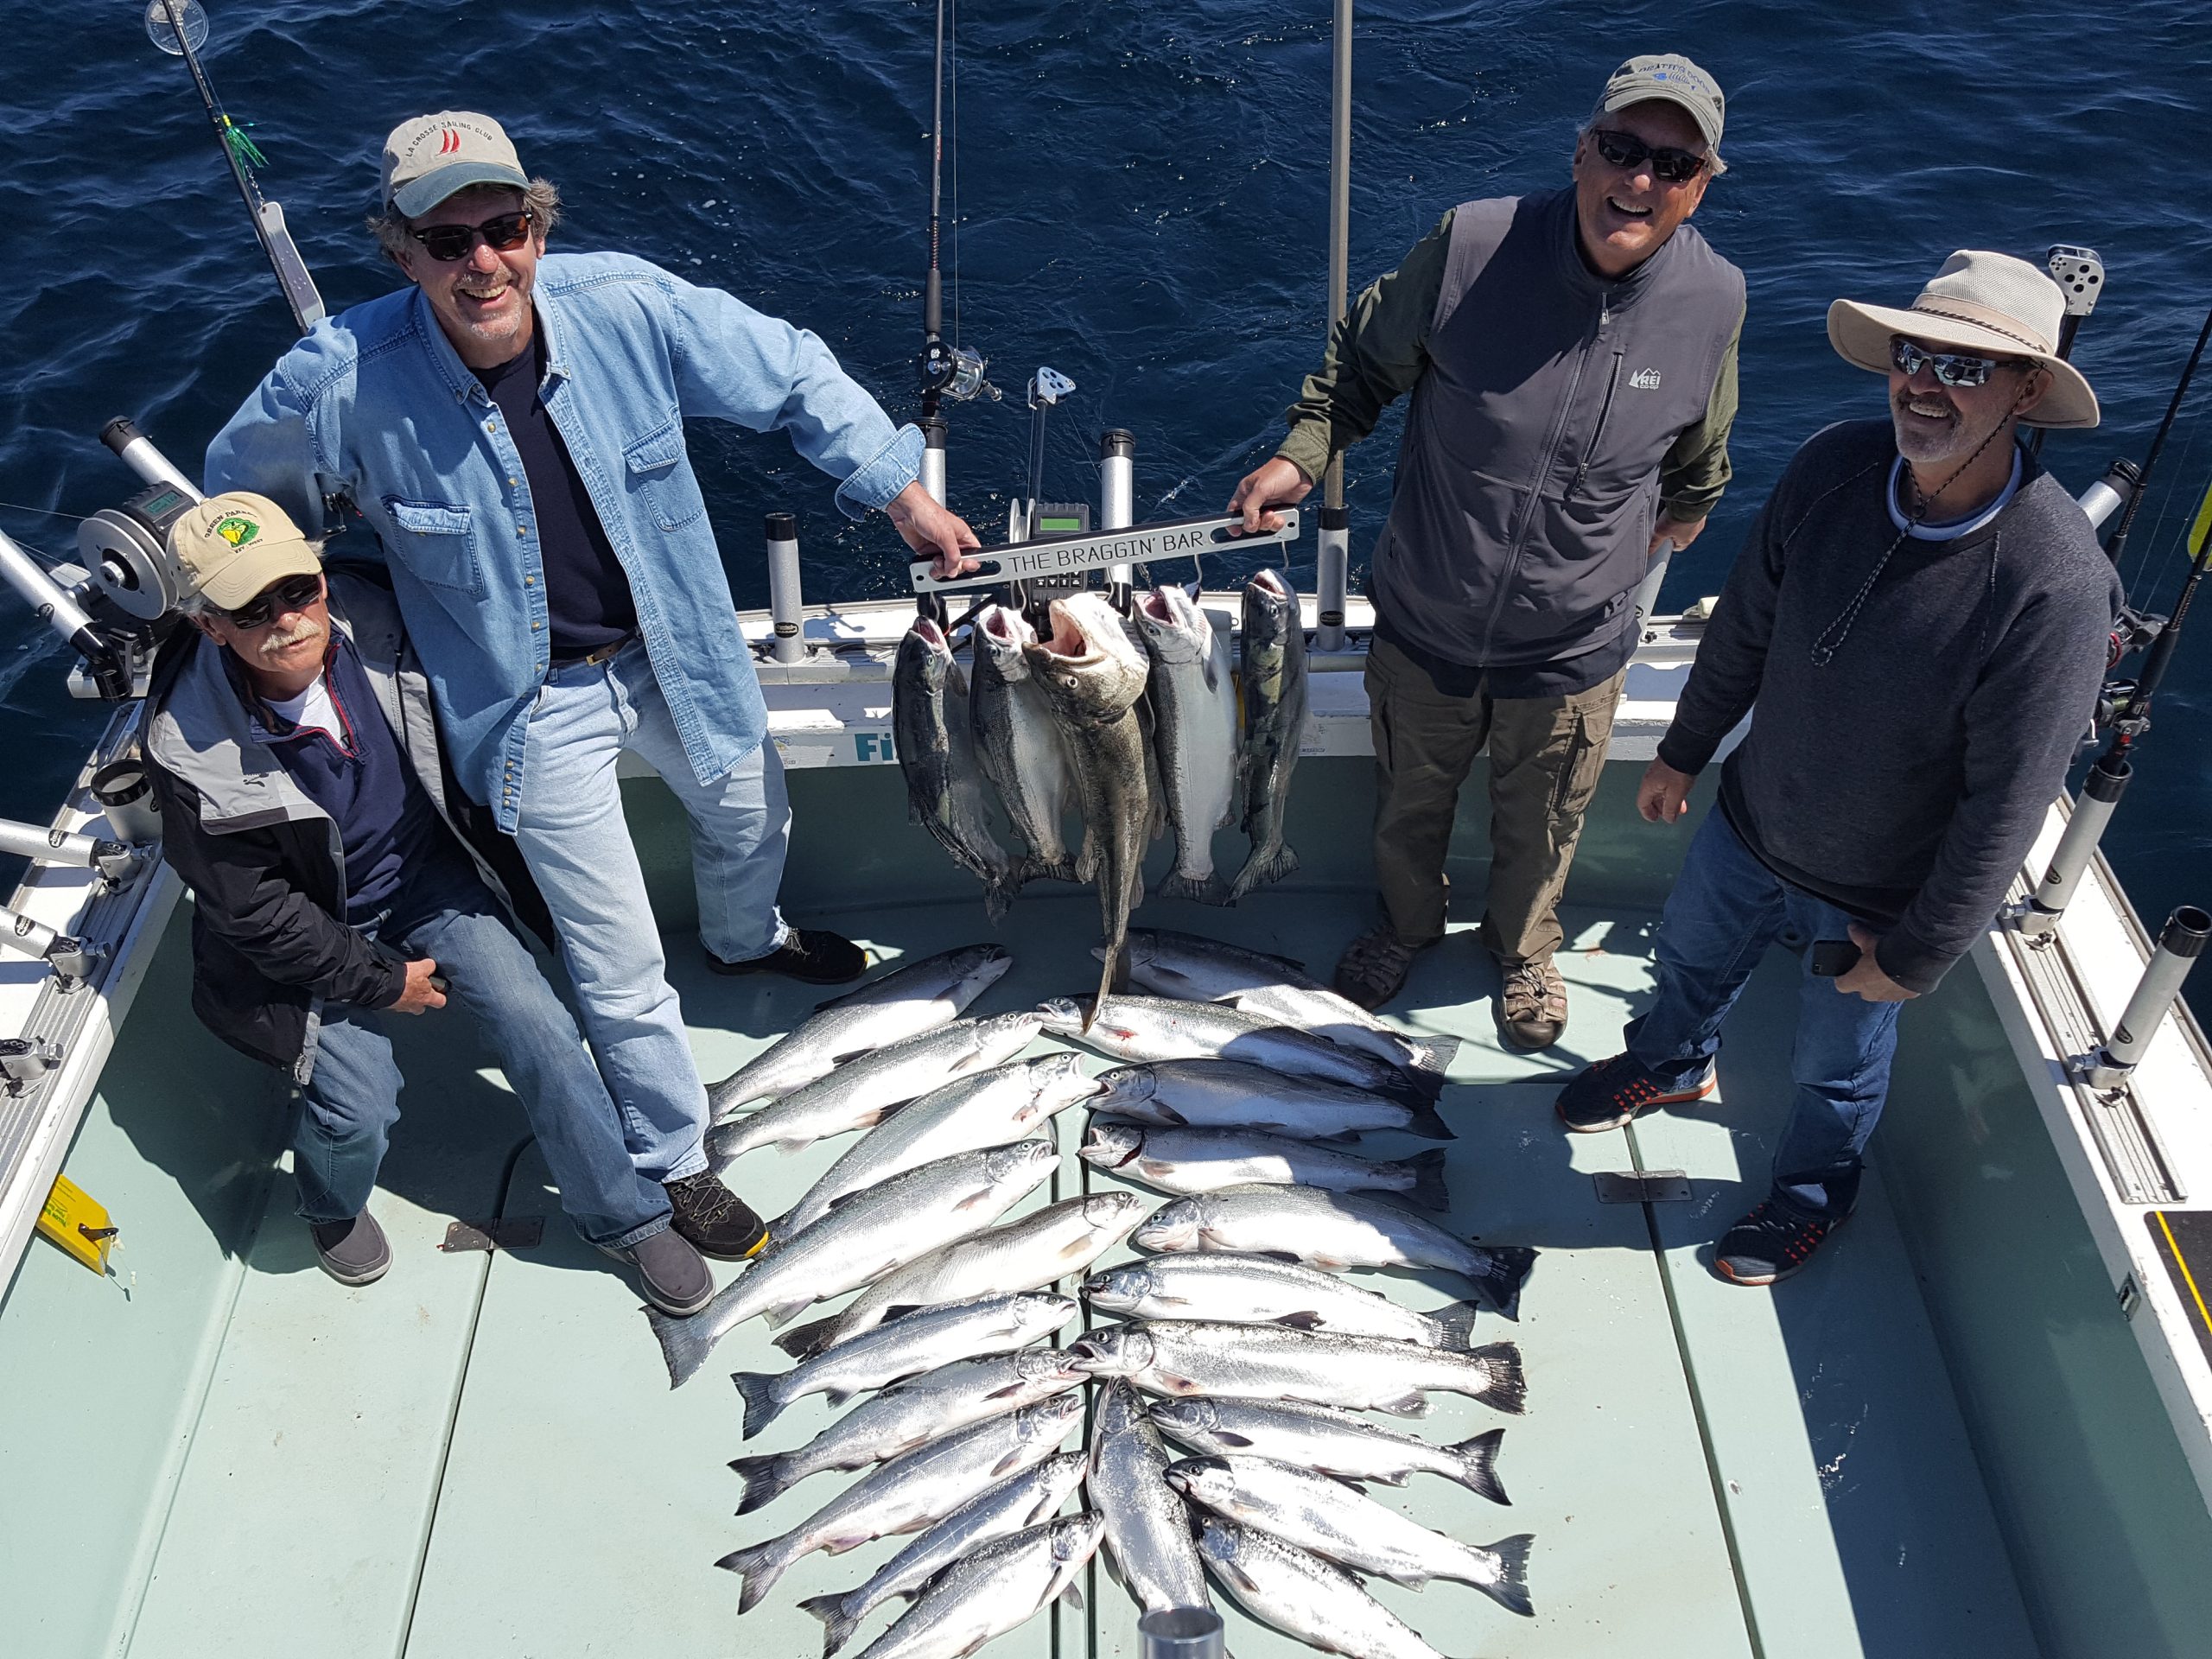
(1985, 304)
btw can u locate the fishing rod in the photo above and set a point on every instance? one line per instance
(948, 369)
(2116, 544)
(180, 28)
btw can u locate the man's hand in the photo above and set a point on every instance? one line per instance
(1274, 482)
(1664, 794)
(419, 992)
(930, 528)
(1674, 529)
(1866, 978)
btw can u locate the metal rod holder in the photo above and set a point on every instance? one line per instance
(1181, 1633)
(1117, 489)
(2110, 494)
(1330, 565)
(785, 606)
(2100, 792)
(112, 859)
(1646, 591)
(2180, 942)
(933, 436)
(24, 1061)
(70, 957)
(137, 451)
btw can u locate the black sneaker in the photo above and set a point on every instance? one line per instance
(1613, 1091)
(808, 954)
(670, 1272)
(353, 1252)
(715, 1219)
(1769, 1244)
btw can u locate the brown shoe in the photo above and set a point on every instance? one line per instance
(1531, 1005)
(1375, 966)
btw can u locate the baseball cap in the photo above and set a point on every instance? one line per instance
(230, 547)
(427, 159)
(1670, 78)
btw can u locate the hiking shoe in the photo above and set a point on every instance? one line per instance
(1612, 1091)
(1769, 1244)
(808, 954)
(353, 1252)
(1375, 966)
(670, 1272)
(714, 1218)
(1531, 1005)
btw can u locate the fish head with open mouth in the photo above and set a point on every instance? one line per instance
(978, 968)
(1004, 635)
(1176, 1226)
(1172, 627)
(1052, 1418)
(1063, 1015)
(1090, 667)
(1030, 1160)
(1119, 1289)
(1117, 1350)
(1035, 1363)
(1124, 1087)
(1061, 1082)
(1209, 1481)
(1074, 1541)
(1109, 1146)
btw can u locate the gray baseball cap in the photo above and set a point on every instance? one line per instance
(1670, 78)
(427, 159)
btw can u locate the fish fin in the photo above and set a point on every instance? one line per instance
(1508, 1390)
(1170, 1384)
(1341, 1138)
(1105, 990)
(1230, 1437)
(1479, 1465)
(835, 1398)
(1501, 1278)
(765, 1478)
(784, 1313)
(1072, 1597)
(1455, 1327)
(900, 1311)
(1304, 1319)
(1089, 857)
(759, 1566)
(684, 1345)
(806, 1341)
(762, 1408)
(1001, 890)
(1289, 1257)
(1429, 1122)
(1208, 889)
(1326, 1263)
(1412, 1404)
(1428, 1189)
(837, 1627)
(1511, 1589)
(1434, 1055)
(1262, 868)
(1050, 869)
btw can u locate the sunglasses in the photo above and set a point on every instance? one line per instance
(501, 234)
(1951, 368)
(293, 593)
(1627, 151)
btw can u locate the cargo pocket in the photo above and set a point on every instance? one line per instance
(662, 475)
(436, 545)
(1577, 771)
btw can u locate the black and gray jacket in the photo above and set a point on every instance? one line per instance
(270, 943)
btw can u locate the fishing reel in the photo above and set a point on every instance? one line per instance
(956, 372)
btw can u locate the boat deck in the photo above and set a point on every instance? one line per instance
(480, 1455)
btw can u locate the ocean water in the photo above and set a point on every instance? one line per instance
(1142, 194)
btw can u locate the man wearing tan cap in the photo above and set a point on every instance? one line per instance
(1572, 361)
(1919, 624)
(296, 761)
(511, 428)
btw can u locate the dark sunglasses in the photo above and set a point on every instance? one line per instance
(501, 233)
(293, 593)
(1952, 368)
(1627, 151)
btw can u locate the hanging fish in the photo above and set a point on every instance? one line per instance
(944, 792)
(1192, 691)
(1273, 674)
(1017, 743)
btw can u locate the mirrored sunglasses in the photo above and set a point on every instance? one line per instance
(1951, 368)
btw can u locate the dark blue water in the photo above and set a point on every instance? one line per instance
(1143, 204)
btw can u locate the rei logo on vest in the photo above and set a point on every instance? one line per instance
(1645, 379)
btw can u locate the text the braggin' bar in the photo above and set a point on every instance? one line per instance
(1057, 555)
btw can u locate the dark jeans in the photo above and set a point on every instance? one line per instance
(1725, 910)
(349, 1105)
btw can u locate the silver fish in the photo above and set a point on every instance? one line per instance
(1018, 745)
(1334, 1231)
(1223, 1287)
(1001, 1585)
(905, 1002)
(1303, 1596)
(1314, 1512)
(1148, 1523)
(1192, 688)
(1273, 674)
(911, 1492)
(1162, 1028)
(1334, 1441)
(1060, 1238)
(861, 1093)
(1092, 674)
(920, 1341)
(985, 1109)
(1024, 1501)
(1236, 1095)
(1266, 1362)
(873, 1234)
(936, 752)
(1206, 1160)
(927, 1408)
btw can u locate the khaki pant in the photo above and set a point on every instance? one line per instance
(1546, 756)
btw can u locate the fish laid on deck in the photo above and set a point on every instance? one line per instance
(1221, 1286)
(1018, 744)
(1273, 673)
(1333, 1440)
(1207, 1160)
(1238, 1094)
(1148, 1523)
(1303, 1596)
(1193, 690)
(1002, 1584)
(1160, 1029)
(936, 752)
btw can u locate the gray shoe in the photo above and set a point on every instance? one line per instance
(1531, 1005)
(353, 1252)
(670, 1271)
(1375, 966)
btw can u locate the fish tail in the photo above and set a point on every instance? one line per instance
(1428, 1189)
(806, 1341)
(763, 1405)
(1207, 889)
(1050, 869)
(1264, 866)
(766, 1478)
(1105, 987)
(726, 1143)
(1504, 1270)
(1507, 1387)
(1479, 1465)
(759, 1566)
(684, 1344)
(1455, 1329)
(1434, 1055)
(837, 1625)
(999, 891)
(1511, 1589)
(1427, 1121)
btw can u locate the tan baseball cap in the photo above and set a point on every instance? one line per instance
(427, 159)
(230, 547)
(1670, 78)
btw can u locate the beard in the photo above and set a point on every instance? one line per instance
(1923, 439)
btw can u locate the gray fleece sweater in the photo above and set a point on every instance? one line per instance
(1904, 781)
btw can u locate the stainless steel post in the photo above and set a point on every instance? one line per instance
(43, 846)
(65, 954)
(1333, 559)
(785, 607)
(2100, 792)
(1181, 1633)
(2110, 494)
(136, 450)
(2180, 943)
(1117, 496)
(1647, 591)
(933, 432)
(1330, 566)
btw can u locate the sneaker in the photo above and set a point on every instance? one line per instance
(714, 1218)
(670, 1273)
(1531, 1005)
(1613, 1091)
(1771, 1244)
(353, 1252)
(808, 954)
(1375, 966)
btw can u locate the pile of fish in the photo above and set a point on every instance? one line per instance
(1236, 1341)
(1131, 722)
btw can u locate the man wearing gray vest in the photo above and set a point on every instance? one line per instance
(1572, 358)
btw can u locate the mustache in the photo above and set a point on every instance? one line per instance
(276, 644)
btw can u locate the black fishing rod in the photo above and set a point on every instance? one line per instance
(2116, 543)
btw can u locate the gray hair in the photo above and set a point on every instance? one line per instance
(394, 234)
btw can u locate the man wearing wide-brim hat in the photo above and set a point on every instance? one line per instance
(1919, 624)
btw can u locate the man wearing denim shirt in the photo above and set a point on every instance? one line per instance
(511, 428)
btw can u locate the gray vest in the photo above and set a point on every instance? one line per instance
(1528, 480)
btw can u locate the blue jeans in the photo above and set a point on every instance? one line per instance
(1725, 910)
(352, 1100)
(577, 841)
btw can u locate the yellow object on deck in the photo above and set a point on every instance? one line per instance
(74, 1221)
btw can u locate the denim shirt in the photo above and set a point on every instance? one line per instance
(376, 405)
